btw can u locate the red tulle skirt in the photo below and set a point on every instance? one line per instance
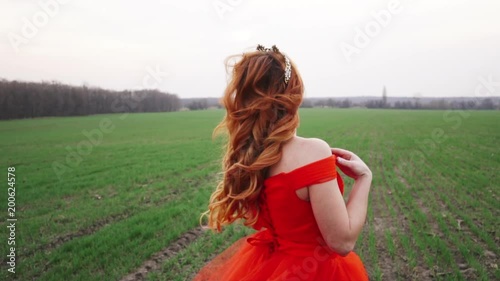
(247, 261)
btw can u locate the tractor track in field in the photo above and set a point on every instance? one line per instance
(96, 226)
(382, 220)
(404, 272)
(58, 241)
(154, 263)
(421, 205)
(89, 230)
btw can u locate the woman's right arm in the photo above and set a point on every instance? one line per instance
(340, 224)
(354, 167)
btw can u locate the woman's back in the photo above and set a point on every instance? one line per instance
(296, 153)
(285, 207)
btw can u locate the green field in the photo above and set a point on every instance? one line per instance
(102, 211)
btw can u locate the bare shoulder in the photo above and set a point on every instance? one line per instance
(317, 146)
(301, 151)
(310, 149)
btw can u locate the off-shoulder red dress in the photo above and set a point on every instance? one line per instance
(289, 245)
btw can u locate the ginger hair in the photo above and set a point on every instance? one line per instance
(261, 115)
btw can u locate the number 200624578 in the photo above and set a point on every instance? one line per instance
(11, 219)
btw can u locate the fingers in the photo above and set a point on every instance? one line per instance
(346, 154)
(344, 162)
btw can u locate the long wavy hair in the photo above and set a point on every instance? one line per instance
(261, 115)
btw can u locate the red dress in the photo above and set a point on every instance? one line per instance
(289, 245)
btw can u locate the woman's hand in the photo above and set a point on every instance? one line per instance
(351, 164)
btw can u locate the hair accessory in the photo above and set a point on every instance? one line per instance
(288, 65)
(288, 70)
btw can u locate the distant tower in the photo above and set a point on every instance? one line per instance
(384, 97)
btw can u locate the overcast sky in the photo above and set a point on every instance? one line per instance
(342, 48)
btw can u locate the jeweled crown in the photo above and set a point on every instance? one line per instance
(288, 65)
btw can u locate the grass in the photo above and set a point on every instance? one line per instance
(99, 215)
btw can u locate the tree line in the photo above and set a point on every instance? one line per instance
(32, 99)
(483, 103)
(479, 104)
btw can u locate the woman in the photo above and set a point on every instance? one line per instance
(283, 185)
